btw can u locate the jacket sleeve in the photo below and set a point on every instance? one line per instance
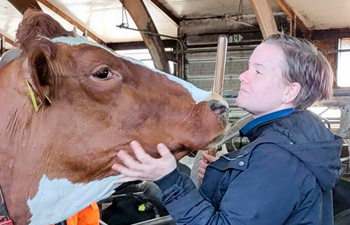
(264, 193)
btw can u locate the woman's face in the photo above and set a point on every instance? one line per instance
(262, 90)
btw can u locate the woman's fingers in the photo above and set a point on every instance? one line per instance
(140, 153)
(164, 151)
(202, 164)
(208, 158)
(201, 176)
(201, 170)
(129, 161)
(126, 171)
(144, 167)
(203, 158)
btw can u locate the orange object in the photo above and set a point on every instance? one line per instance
(88, 216)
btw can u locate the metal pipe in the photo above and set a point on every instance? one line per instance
(199, 50)
(341, 92)
(338, 50)
(344, 159)
(232, 59)
(103, 223)
(122, 26)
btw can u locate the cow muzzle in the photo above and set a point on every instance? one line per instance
(218, 107)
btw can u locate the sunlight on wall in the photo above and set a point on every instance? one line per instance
(325, 111)
(330, 116)
(144, 56)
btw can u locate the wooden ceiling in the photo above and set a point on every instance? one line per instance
(99, 18)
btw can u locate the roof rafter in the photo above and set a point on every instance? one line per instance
(70, 20)
(166, 11)
(144, 22)
(330, 33)
(288, 10)
(22, 6)
(264, 15)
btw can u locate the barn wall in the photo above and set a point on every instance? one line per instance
(328, 47)
(200, 38)
(328, 41)
(200, 68)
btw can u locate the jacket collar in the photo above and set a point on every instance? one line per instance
(239, 160)
(252, 129)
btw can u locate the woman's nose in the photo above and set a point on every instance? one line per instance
(243, 77)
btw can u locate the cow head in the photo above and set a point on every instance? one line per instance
(91, 103)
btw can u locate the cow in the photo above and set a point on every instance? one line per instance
(68, 105)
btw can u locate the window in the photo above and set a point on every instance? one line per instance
(343, 73)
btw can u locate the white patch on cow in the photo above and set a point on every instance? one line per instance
(59, 199)
(198, 95)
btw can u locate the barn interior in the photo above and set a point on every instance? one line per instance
(181, 37)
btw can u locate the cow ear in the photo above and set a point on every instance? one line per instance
(40, 69)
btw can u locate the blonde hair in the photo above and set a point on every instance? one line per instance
(306, 66)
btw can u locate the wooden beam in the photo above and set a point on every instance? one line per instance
(70, 20)
(293, 27)
(330, 34)
(287, 9)
(22, 6)
(144, 22)
(264, 15)
(7, 39)
(166, 11)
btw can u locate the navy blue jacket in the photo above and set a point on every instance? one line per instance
(284, 176)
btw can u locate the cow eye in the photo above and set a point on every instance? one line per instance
(103, 74)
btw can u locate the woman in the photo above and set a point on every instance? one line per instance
(286, 173)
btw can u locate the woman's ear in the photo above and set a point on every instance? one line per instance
(292, 92)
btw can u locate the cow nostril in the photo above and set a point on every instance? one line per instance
(218, 107)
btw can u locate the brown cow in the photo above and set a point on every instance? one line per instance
(56, 161)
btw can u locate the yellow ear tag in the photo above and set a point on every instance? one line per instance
(48, 99)
(31, 93)
(142, 207)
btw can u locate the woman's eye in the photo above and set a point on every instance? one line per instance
(258, 72)
(103, 74)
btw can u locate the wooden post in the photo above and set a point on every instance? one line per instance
(264, 16)
(218, 86)
(2, 51)
(288, 10)
(7, 39)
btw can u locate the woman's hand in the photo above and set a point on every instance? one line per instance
(144, 167)
(205, 160)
